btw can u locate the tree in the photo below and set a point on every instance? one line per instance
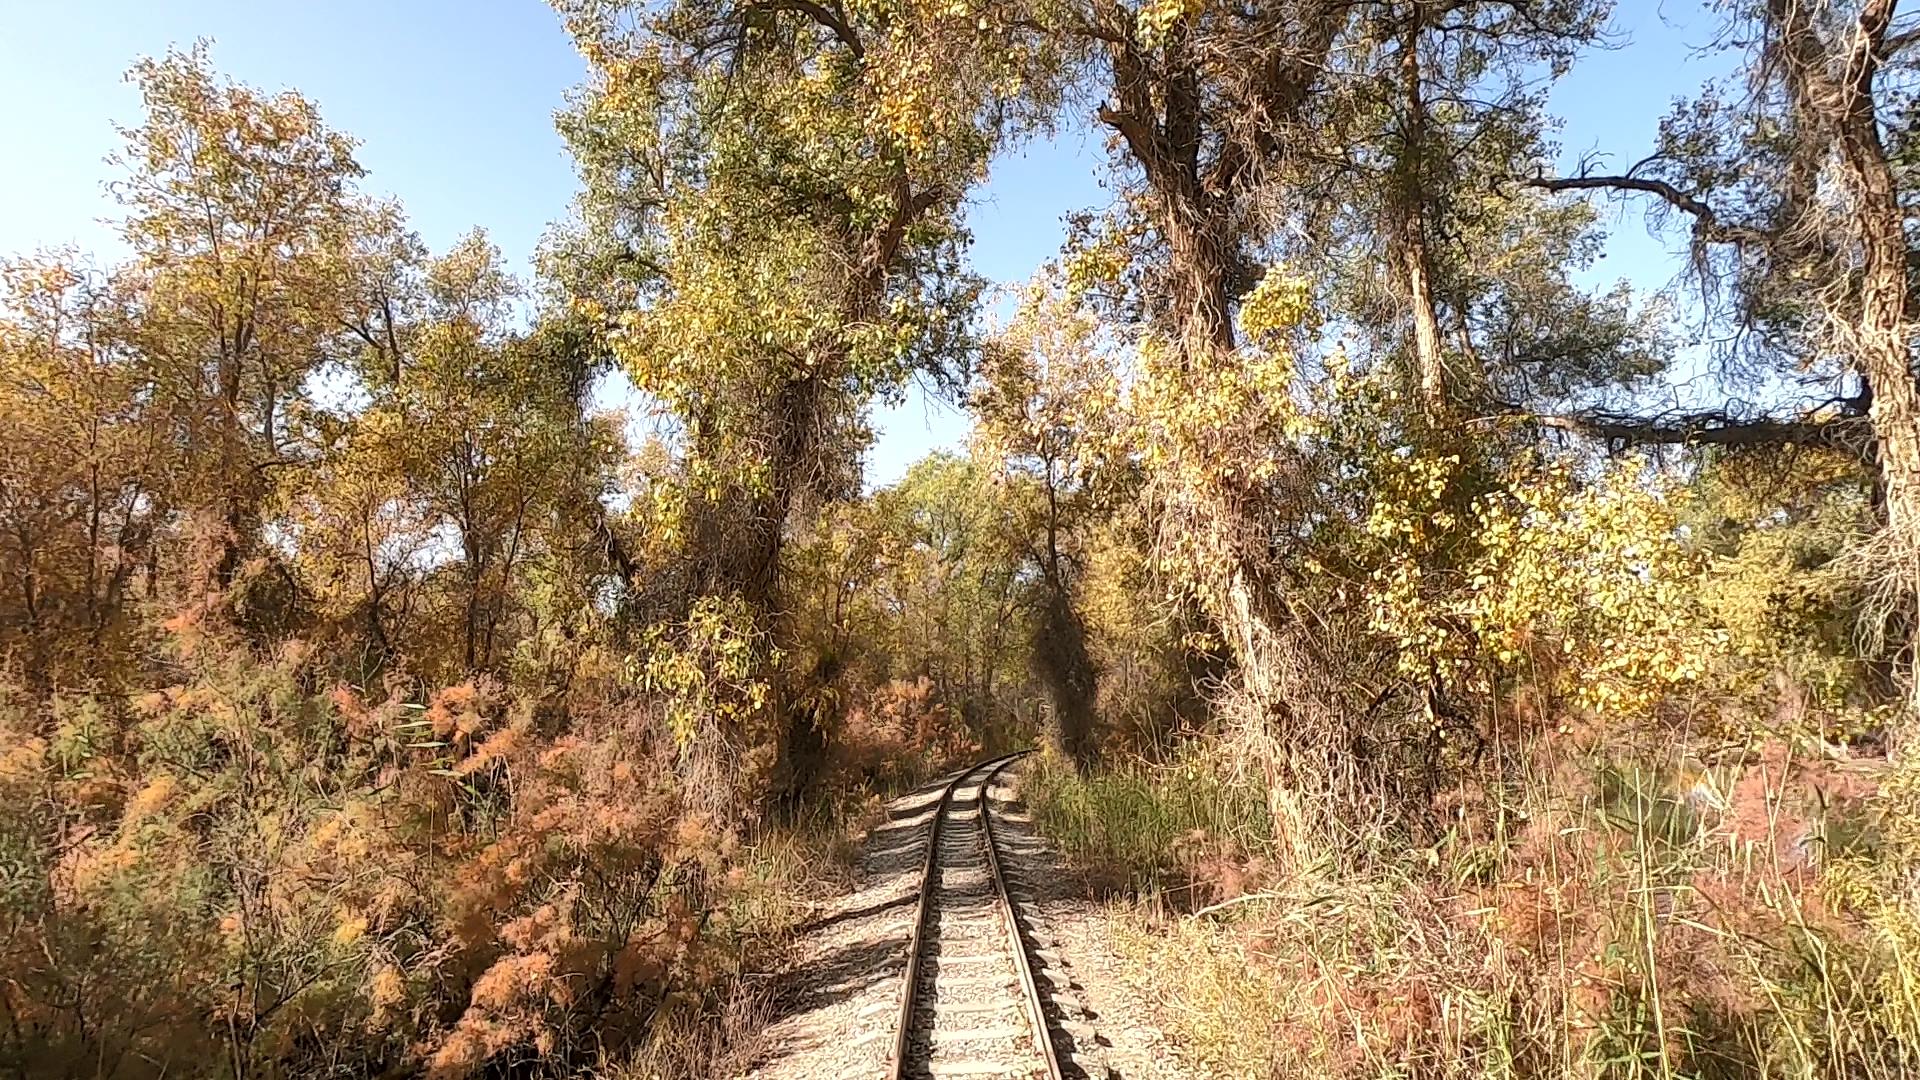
(86, 487)
(1398, 205)
(1045, 408)
(770, 237)
(233, 199)
(468, 461)
(1800, 186)
(949, 584)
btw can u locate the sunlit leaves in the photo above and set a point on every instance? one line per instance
(781, 223)
(86, 470)
(1282, 303)
(711, 667)
(1157, 18)
(1049, 398)
(1226, 420)
(1600, 573)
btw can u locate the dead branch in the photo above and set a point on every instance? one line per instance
(1846, 434)
(1707, 224)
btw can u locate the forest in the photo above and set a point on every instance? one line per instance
(1446, 668)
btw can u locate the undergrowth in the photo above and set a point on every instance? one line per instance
(174, 882)
(1608, 914)
(1147, 828)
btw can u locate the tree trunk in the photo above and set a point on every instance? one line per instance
(1283, 698)
(1883, 355)
(1286, 711)
(1417, 280)
(234, 476)
(1410, 212)
(738, 543)
(1060, 649)
(1832, 94)
(1202, 308)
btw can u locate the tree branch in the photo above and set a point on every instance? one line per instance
(1707, 224)
(908, 209)
(1847, 434)
(1894, 44)
(619, 558)
(819, 13)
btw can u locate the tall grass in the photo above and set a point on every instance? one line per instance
(777, 879)
(1145, 827)
(1603, 917)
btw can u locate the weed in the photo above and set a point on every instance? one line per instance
(1615, 916)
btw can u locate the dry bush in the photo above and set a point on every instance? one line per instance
(694, 1043)
(1614, 910)
(896, 735)
(252, 868)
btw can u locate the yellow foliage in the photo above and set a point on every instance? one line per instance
(1157, 17)
(1589, 586)
(352, 928)
(1599, 572)
(1281, 303)
(150, 799)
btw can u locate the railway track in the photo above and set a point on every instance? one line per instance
(972, 1007)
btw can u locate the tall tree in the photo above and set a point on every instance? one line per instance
(1045, 407)
(1799, 213)
(1431, 105)
(233, 200)
(464, 460)
(771, 235)
(1203, 100)
(85, 489)
(1283, 164)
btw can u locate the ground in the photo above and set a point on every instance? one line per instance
(834, 1004)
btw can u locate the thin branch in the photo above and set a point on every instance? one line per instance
(1707, 223)
(1894, 44)
(819, 13)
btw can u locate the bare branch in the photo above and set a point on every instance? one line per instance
(1847, 434)
(1707, 224)
(1895, 44)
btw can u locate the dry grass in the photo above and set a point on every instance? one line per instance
(779, 879)
(775, 887)
(1603, 916)
(1141, 829)
(696, 1041)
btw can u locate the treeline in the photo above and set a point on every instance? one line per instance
(370, 705)
(373, 707)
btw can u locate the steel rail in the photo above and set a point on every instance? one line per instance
(1029, 989)
(909, 998)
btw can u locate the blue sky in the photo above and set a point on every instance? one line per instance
(453, 104)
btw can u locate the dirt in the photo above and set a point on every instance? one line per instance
(1116, 1002)
(835, 1003)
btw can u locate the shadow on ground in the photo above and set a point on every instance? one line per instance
(1033, 878)
(890, 868)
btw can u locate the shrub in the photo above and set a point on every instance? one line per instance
(1611, 912)
(246, 868)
